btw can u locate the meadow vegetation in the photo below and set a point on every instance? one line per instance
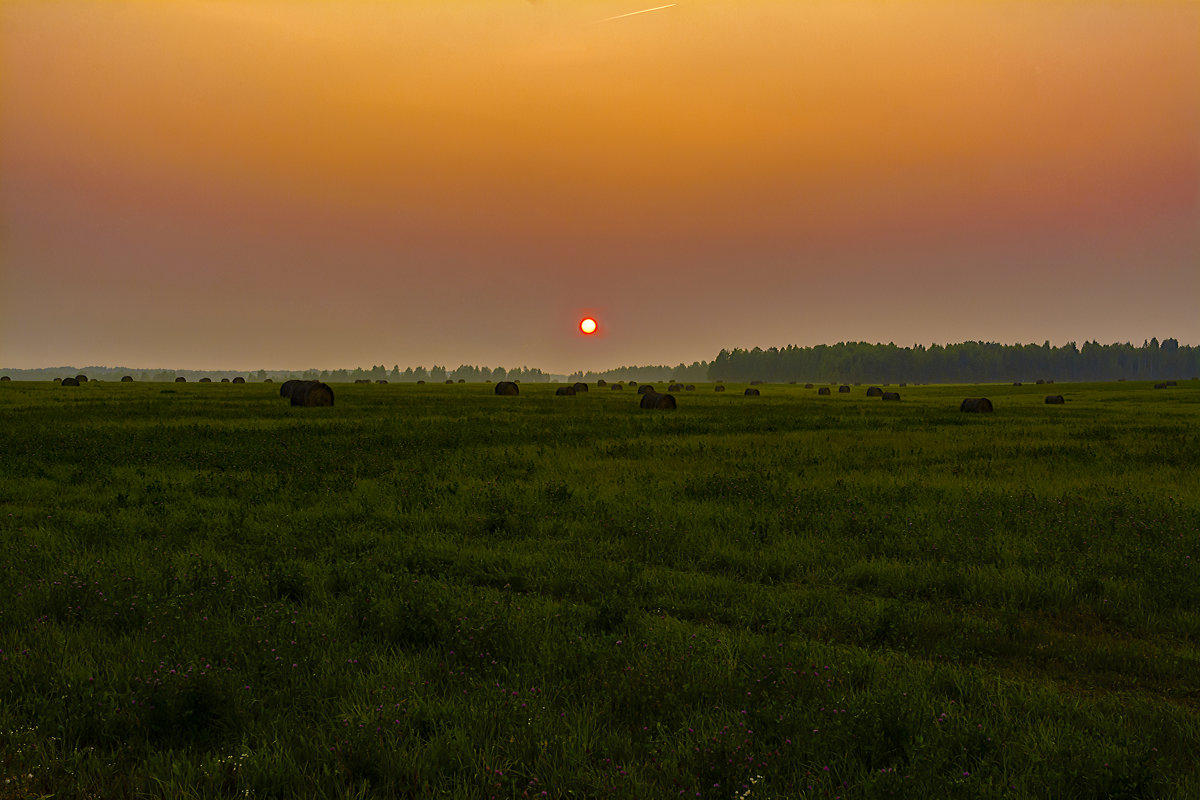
(431, 590)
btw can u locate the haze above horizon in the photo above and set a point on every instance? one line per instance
(211, 184)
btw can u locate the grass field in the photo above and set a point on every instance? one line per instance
(434, 591)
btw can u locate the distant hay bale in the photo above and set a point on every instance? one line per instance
(361, 380)
(1040, 381)
(4, 379)
(126, 379)
(903, 385)
(580, 387)
(1054, 400)
(659, 401)
(1016, 383)
(843, 389)
(1160, 386)
(239, 379)
(675, 387)
(1172, 383)
(633, 383)
(979, 405)
(507, 389)
(81, 378)
(616, 387)
(808, 386)
(690, 387)
(450, 380)
(564, 391)
(891, 395)
(58, 380)
(756, 383)
(874, 391)
(719, 388)
(752, 393)
(312, 394)
(206, 380)
(70, 382)
(285, 390)
(462, 380)
(381, 381)
(647, 387)
(267, 380)
(224, 380)
(420, 383)
(181, 379)
(601, 382)
(824, 390)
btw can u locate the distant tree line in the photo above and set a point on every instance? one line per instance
(966, 362)
(696, 371)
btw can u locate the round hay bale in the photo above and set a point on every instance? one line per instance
(1160, 386)
(6, 379)
(1016, 383)
(601, 382)
(675, 387)
(450, 380)
(507, 389)
(312, 394)
(224, 380)
(808, 386)
(844, 389)
(647, 387)
(979, 405)
(381, 381)
(752, 393)
(616, 387)
(580, 387)
(181, 379)
(81, 378)
(1040, 381)
(462, 380)
(564, 391)
(1172, 383)
(891, 396)
(267, 380)
(58, 380)
(903, 385)
(126, 379)
(633, 383)
(420, 383)
(658, 401)
(756, 383)
(690, 387)
(239, 379)
(206, 380)
(1054, 400)
(285, 390)
(824, 390)
(874, 391)
(361, 380)
(718, 388)
(70, 382)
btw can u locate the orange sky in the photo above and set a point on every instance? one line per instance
(452, 182)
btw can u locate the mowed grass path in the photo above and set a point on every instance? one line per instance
(434, 591)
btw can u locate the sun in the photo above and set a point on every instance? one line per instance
(587, 325)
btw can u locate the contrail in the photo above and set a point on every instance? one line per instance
(635, 13)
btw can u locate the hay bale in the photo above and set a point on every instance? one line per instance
(462, 380)
(239, 379)
(891, 396)
(751, 393)
(675, 387)
(580, 387)
(824, 390)
(1160, 386)
(81, 378)
(450, 381)
(285, 390)
(181, 379)
(267, 380)
(381, 381)
(564, 391)
(690, 388)
(1172, 383)
(903, 385)
(616, 387)
(647, 387)
(655, 400)
(420, 383)
(206, 380)
(633, 383)
(980, 405)
(126, 379)
(1054, 400)
(224, 380)
(1040, 381)
(843, 389)
(718, 388)
(808, 386)
(70, 382)
(6, 379)
(874, 391)
(601, 382)
(58, 380)
(507, 389)
(756, 383)
(312, 394)
(362, 380)
(1016, 383)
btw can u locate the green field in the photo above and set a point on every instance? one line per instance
(434, 591)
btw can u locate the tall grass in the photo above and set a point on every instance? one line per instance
(431, 590)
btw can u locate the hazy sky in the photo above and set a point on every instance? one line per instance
(308, 183)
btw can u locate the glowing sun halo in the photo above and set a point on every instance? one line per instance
(587, 325)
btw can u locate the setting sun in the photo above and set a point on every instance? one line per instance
(587, 325)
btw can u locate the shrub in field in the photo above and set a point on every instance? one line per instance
(976, 404)
(507, 389)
